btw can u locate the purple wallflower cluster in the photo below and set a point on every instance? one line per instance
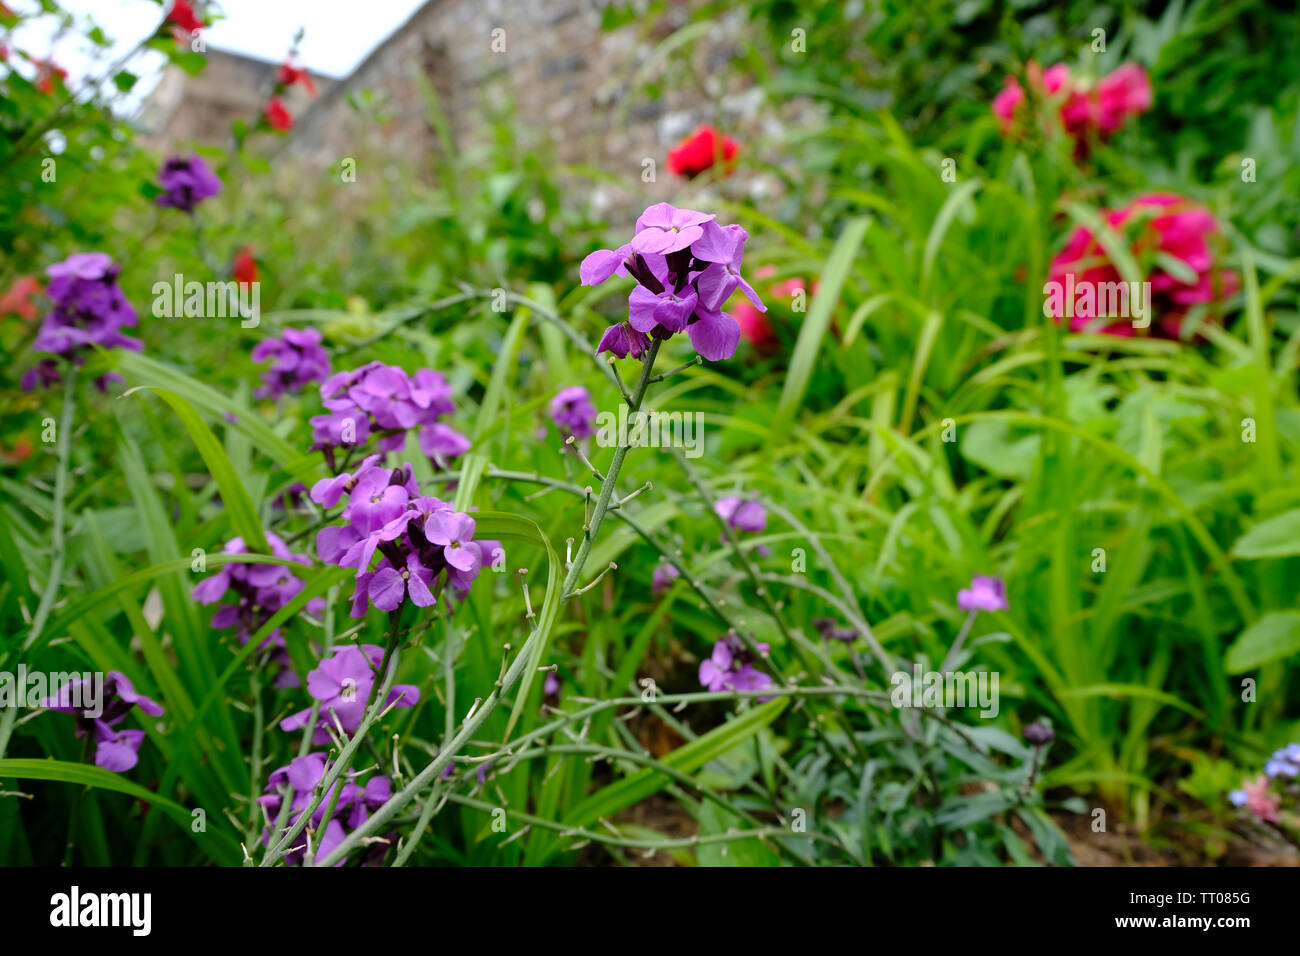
(986, 593)
(115, 749)
(89, 310)
(418, 538)
(355, 802)
(384, 400)
(259, 591)
(686, 267)
(573, 412)
(342, 683)
(731, 667)
(297, 358)
(186, 181)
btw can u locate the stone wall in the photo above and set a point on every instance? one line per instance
(183, 109)
(612, 100)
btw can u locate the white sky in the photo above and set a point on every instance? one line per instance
(339, 33)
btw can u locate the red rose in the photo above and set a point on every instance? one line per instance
(245, 267)
(184, 17)
(277, 115)
(288, 75)
(700, 151)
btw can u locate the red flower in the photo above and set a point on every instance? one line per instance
(245, 267)
(183, 16)
(46, 72)
(18, 300)
(277, 115)
(288, 75)
(700, 151)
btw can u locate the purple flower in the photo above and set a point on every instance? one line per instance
(383, 398)
(302, 776)
(297, 358)
(685, 266)
(623, 340)
(573, 412)
(551, 686)
(731, 667)
(186, 182)
(115, 749)
(742, 515)
(603, 263)
(1284, 762)
(259, 590)
(663, 577)
(986, 593)
(418, 536)
(89, 310)
(442, 442)
(724, 248)
(664, 228)
(343, 683)
(453, 531)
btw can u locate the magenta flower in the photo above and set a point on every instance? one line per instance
(297, 359)
(664, 228)
(731, 667)
(115, 749)
(453, 531)
(383, 398)
(89, 311)
(573, 412)
(986, 593)
(186, 182)
(663, 577)
(685, 266)
(343, 683)
(418, 537)
(259, 591)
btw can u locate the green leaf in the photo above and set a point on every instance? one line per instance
(1274, 636)
(688, 758)
(243, 516)
(809, 344)
(1278, 537)
(740, 852)
(90, 776)
(508, 527)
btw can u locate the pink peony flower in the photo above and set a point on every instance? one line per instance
(1155, 223)
(1084, 110)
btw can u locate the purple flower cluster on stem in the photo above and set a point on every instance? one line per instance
(385, 400)
(115, 749)
(423, 543)
(186, 181)
(686, 266)
(89, 310)
(731, 667)
(297, 359)
(342, 683)
(742, 514)
(259, 591)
